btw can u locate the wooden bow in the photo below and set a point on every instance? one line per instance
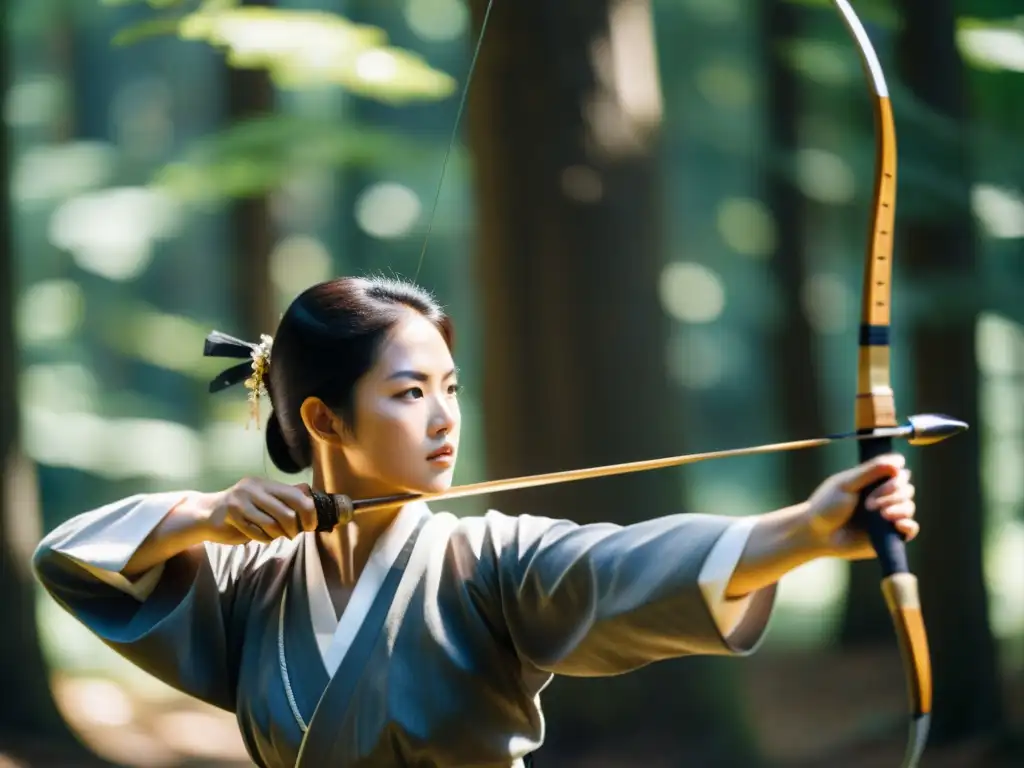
(874, 420)
(875, 406)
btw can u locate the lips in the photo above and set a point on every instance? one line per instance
(444, 450)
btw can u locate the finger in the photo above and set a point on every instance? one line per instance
(889, 487)
(264, 521)
(897, 496)
(249, 529)
(901, 511)
(282, 514)
(860, 477)
(299, 499)
(901, 496)
(909, 529)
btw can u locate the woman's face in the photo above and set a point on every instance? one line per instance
(407, 416)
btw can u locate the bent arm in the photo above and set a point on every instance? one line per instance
(604, 599)
(124, 544)
(180, 529)
(135, 575)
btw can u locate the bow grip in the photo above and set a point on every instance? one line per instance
(886, 540)
(331, 510)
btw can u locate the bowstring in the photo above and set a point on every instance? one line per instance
(454, 135)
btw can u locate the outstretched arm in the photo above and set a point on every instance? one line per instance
(604, 599)
(820, 527)
(778, 543)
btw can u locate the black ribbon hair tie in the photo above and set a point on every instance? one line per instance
(251, 373)
(222, 345)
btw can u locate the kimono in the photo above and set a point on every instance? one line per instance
(452, 631)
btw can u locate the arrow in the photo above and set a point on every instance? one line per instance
(923, 429)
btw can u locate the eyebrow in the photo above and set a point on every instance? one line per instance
(419, 375)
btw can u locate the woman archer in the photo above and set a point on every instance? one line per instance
(409, 636)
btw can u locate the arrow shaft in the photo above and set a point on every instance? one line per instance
(571, 475)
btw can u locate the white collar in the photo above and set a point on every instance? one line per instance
(335, 634)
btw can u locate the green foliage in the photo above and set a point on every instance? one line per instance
(255, 156)
(989, 44)
(314, 48)
(139, 330)
(300, 49)
(144, 30)
(868, 11)
(150, 3)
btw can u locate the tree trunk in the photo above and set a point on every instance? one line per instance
(793, 341)
(250, 95)
(574, 355)
(948, 477)
(30, 723)
(29, 719)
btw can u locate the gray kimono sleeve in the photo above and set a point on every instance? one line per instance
(175, 620)
(603, 599)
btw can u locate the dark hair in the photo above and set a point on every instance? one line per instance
(328, 338)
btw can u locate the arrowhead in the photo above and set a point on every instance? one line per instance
(931, 428)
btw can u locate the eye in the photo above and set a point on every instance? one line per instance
(454, 389)
(410, 394)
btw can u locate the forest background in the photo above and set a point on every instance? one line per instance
(651, 234)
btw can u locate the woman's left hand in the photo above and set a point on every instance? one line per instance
(832, 505)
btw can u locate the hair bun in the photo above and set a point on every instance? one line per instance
(278, 448)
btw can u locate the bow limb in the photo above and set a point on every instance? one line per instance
(875, 402)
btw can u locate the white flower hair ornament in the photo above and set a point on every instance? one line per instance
(252, 373)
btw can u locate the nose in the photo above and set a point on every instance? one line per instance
(443, 419)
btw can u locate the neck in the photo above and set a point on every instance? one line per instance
(345, 551)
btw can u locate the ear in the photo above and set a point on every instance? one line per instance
(322, 424)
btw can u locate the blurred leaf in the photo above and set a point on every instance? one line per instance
(159, 4)
(878, 12)
(137, 329)
(385, 74)
(994, 9)
(990, 44)
(257, 155)
(822, 61)
(144, 30)
(301, 49)
(310, 48)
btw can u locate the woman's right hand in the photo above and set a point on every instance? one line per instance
(256, 509)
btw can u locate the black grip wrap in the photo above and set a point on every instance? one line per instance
(887, 541)
(326, 511)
